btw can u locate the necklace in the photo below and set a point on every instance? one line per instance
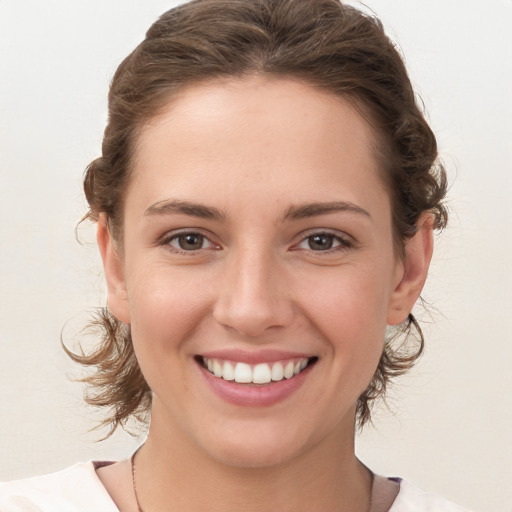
(373, 507)
(132, 460)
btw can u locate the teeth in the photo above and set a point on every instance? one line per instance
(217, 368)
(243, 373)
(277, 372)
(288, 370)
(228, 372)
(262, 373)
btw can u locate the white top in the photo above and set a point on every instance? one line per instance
(78, 489)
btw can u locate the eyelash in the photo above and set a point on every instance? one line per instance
(168, 239)
(338, 243)
(341, 243)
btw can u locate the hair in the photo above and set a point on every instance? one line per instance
(321, 42)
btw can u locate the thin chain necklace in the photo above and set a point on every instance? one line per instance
(132, 460)
(139, 508)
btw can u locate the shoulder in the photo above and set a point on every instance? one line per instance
(412, 499)
(75, 489)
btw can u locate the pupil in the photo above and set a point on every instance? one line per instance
(318, 242)
(192, 241)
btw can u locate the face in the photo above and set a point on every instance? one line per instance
(257, 269)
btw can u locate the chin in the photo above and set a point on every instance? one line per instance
(262, 448)
(253, 457)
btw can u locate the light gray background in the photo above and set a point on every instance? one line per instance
(450, 431)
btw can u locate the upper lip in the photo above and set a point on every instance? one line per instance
(256, 357)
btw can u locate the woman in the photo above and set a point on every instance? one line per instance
(265, 200)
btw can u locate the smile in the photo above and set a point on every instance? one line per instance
(261, 373)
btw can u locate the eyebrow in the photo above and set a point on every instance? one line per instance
(305, 210)
(301, 211)
(169, 207)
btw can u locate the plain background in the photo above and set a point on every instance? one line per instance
(449, 425)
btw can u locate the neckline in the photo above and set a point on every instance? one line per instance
(378, 482)
(384, 495)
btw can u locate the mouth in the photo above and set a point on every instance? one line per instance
(256, 374)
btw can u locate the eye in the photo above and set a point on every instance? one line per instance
(188, 241)
(319, 242)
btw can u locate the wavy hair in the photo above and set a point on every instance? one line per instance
(322, 42)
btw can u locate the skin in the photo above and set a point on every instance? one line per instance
(254, 151)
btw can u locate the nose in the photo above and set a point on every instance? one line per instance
(253, 296)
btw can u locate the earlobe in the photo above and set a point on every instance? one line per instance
(117, 300)
(418, 253)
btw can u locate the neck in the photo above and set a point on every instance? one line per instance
(171, 470)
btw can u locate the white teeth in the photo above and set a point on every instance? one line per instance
(288, 370)
(243, 373)
(228, 372)
(262, 373)
(277, 371)
(217, 368)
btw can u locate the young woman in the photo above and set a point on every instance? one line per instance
(265, 199)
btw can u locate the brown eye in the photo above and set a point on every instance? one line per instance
(326, 242)
(321, 242)
(188, 242)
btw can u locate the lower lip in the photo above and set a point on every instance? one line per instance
(255, 395)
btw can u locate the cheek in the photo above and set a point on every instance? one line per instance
(354, 300)
(350, 314)
(165, 309)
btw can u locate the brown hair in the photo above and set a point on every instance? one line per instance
(322, 42)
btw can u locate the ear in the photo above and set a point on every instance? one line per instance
(414, 269)
(117, 300)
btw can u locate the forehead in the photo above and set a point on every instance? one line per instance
(235, 102)
(256, 133)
